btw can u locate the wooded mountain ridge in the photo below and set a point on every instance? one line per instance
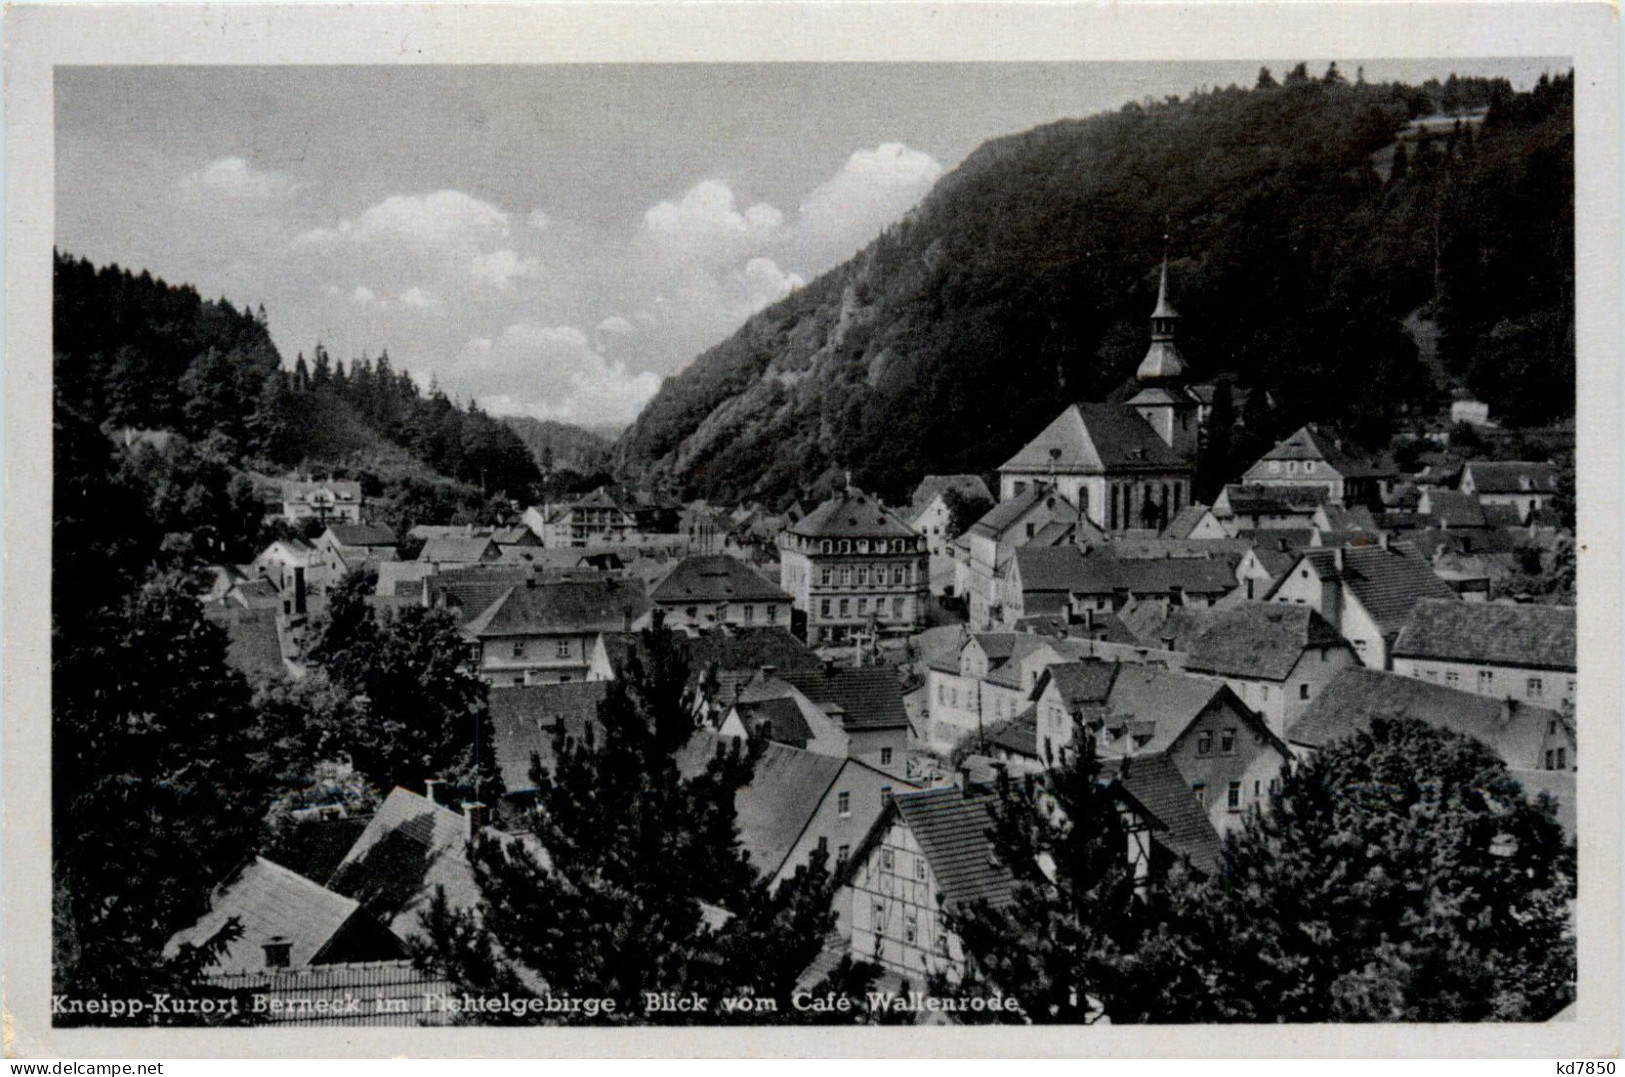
(1315, 232)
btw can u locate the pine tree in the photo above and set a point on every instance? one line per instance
(643, 886)
(1064, 947)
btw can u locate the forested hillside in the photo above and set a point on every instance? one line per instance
(132, 351)
(558, 445)
(1307, 222)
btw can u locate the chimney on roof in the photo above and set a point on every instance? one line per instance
(530, 576)
(768, 672)
(474, 817)
(431, 789)
(1337, 558)
(278, 952)
(299, 590)
(964, 775)
(1384, 538)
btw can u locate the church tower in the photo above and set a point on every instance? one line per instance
(1163, 400)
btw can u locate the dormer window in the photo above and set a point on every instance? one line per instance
(1309, 467)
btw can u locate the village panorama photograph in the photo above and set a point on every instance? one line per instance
(814, 544)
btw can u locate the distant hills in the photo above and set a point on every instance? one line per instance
(1306, 221)
(561, 445)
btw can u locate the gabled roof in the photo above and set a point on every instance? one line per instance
(461, 549)
(1259, 640)
(585, 606)
(255, 647)
(1157, 784)
(409, 849)
(781, 798)
(1019, 736)
(867, 698)
(1184, 521)
(1007, 513)
(1356, 696)
(523, 719)
(739, 656)
(1387, 581)
(780, 720)
(1311, 443)
(1050, 568)
(851, 514)
(1511, 476)
(1086, 681)
(468, 592)
(1452, 508)
(361, 534)
(971, 486)
(951, 828)
(1160, 704)
(1091, 439)
(1496, 634)
(269, 901)
(714, 578)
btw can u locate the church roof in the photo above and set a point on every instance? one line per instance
(1091, 439)
(1162, 362)
(851, 514)
(1164, 309)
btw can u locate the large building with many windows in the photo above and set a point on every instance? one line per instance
(854, 569)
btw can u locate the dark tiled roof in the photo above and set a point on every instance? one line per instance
(409, 849)
(523, 719)
(462, 549)
(998, 519)
(1388, 582)
(1050, 568)
(715, 578)
(1311, 443)
(1185, 521)
(1157, 703)
(362, 534)
(739, 656)
(1262, 500)
(468, 592)
(269, 901)
(1157, 783)
(1452, 508)
(1498, 634)
(868, 698)
(951, 828)
(610, 605)
(780, 720)
(1019, 736)
(851, 514)
(1502, 516)
(1353, 698)
(1511, 476)
(1091, 438)
(1088, 681)
(1258, 640)
(255, 647)
(778, 802)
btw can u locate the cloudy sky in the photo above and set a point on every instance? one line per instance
(550, 240)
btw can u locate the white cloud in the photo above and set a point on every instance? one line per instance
(617, 325)
(444, 220)
(501, 268)
(417, 297)
(551, 372)
(705, 228)
(363, 296)
(873, 189)
(236, 178)
(538, 220)
(765, 283)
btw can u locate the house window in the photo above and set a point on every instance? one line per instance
(1275, 467)
(919, 868)
(897, 608)
(885, 757)
(1309, 467)
(1232, 797)
(1275, 787)
(1452, 677)
(1291, 467)
(911, 928)
(1031, 527)
(1562, 759)
(846, 546)
(1535, 687)
(863, 577)
(772, 615)
(1258, 788)
(826, 577)
(1550, 756)
(942, 693)
(863, 606)
(1204, 742)
(1227, 742)
(846, 576)
(1486, 680)
(843, 803)
(842, 854)
(886, 859)
(1551, 727)
(826, 546)
(863, 545)
(897, 576)
(691, 612)
(1201, 793)
(846, 607)
(564, 648)
(942, 945)
(1266, 693)
(823, 608)
(1303, 691)
(879, 922)
(519, 649)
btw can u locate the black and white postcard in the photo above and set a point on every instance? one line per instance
(812, 529)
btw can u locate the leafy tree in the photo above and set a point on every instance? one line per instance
(1400, 875)
(963, 509)
(635, 856)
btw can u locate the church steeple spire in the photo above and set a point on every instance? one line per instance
(1162, 363)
